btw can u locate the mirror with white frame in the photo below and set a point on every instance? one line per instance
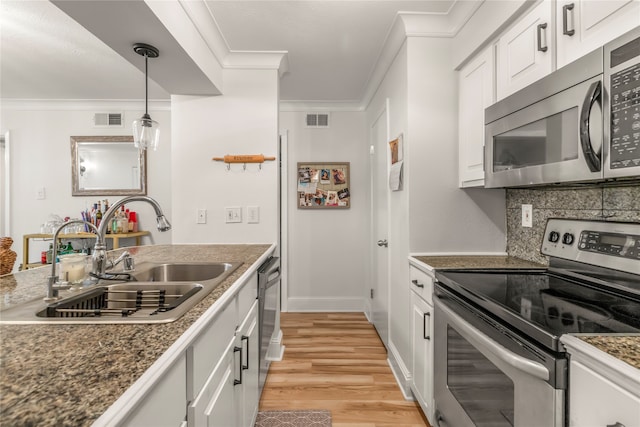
(107, 166)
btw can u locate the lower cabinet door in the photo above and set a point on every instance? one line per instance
(595, 400)
(422, 366)
(165, 404)
(247, 393)
(215, 405)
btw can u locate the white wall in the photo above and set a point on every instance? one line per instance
(242, 121)
(41, 157)
(328, 249)
(431, 214)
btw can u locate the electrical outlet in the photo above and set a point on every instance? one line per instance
(233, 215)
(253, 214)
(201, 216)
(527, 215)
(41, 193)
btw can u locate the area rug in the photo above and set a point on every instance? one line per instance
(306, 418)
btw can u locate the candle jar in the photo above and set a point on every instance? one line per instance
(74, 268)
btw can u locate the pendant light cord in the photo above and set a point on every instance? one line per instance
(146, 85)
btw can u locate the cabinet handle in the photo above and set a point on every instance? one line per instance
(424, 325)
(565, 19)
(542, 27)
(415, 282)
(246, 338)
(617, 424)
(236, 350)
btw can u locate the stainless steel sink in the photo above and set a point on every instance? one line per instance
(180, 272)
(162, 293)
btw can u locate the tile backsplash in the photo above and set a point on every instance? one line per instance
(608, 203)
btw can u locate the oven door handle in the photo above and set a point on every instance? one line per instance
(481, 341)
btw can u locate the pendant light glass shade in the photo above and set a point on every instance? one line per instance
(146, 132)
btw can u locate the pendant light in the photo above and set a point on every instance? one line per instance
(146, 132)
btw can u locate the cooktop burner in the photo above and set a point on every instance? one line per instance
(592, 284)
(549, 302)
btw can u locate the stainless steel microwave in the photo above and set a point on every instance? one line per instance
(581, 123)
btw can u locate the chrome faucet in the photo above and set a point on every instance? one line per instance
(99, 258)
(52, 283)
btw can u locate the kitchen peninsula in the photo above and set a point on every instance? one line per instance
(71, 374)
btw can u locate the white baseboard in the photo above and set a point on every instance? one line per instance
(325, 304)
(276, 349)
(400, 371)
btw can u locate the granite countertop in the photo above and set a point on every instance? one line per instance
(623, 347)
(476, 261)
(68, 375)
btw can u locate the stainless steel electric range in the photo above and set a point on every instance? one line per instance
(498, 356)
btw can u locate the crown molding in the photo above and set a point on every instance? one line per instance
(205, 24)
(416, 24)
(83, 104)
(258, 60)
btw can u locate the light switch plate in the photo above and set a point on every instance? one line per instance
(233, 214)
(527, 215)
(253, 214)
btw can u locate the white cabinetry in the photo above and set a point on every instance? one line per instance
(597, 401)
(476, 92)
(165, 404)
(209, 375)
(247, 393)
(583, 26)
(422, 344)
(603, 390)
(225, 365)
(215, 405)
(526, 50)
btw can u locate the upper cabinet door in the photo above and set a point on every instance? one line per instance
(526, 50)
(585, 25)
(476, 92)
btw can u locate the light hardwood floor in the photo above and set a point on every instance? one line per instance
(336, 361)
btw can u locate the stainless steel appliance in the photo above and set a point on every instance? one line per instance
(268, 278)
(580, 123)
(498, 356)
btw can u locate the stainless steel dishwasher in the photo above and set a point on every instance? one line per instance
(268, 278)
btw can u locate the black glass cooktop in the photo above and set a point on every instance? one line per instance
(544, 305)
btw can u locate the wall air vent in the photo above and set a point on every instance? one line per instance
(318, 120)
(107, 119)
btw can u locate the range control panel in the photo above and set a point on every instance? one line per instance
(622, 245)
(608, 244)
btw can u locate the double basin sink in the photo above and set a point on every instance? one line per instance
(155, 293)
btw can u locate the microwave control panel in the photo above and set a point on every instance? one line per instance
(625, 118)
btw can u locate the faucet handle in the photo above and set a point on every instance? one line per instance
(129, 263)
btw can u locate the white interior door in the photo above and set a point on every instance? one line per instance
(4, 186)
(380, 216)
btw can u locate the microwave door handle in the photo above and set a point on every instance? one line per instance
(593, 96)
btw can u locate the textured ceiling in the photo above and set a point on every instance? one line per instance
(333, 47)
(45, 54)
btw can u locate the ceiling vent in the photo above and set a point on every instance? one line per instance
(318, 120)
(107, 120)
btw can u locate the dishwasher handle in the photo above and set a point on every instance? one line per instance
(269, 273)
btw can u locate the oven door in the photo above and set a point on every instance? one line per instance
(486, 377)
(557, 139)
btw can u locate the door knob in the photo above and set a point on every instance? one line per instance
(383, 243)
